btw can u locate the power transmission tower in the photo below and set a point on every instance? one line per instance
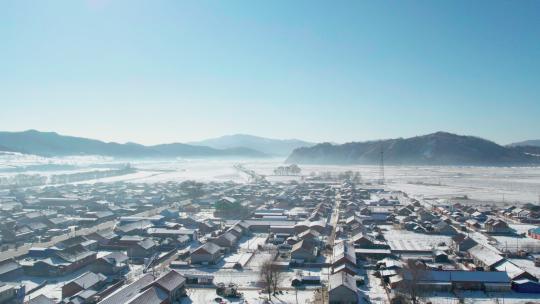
(381, 167)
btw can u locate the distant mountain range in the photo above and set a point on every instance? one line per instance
(278, 147)
(439, 148)
(53, 144)
(530, 150)
(530, 143)
(530, 147)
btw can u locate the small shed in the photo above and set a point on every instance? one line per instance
(526, 286)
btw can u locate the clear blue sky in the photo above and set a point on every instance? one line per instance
(166, 71)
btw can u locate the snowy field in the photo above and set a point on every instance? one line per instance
(404, 240)
(512, 184)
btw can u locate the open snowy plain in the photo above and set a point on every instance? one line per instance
(498, 184)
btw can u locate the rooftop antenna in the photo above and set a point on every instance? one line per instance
(381, 167)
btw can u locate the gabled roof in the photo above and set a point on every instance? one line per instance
(228, 199)
(41, 299)
(208, 247)
(344, 250)
(364, 236)
(74, 253)
(74, 241)
(131, 226)
(128, 292)
(303, 245)
(8, 266)
(82, 296)
(510, 268)
(485, 255)
(309, 232)
(88, 279)
(236, 229)
(115, 258)
(152, 295)
(229, 237)
(342, 279)
(147, 243)
(170, 281)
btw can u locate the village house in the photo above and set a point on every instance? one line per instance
(171, 233)
(167, 289)
(514, 272)
(54, 261)
(208, 253)
(472, 224)
(205, 227)
(342, 289)
(10, 270)
(304, 250)
(462, 243)
(86, 281)
(443, 228)
(362, 240)
(104, 237)
(111, 264)
(226, 240)
(343, 253)
(310, 234)
(141, 250)
(497, 226)
(484, 257)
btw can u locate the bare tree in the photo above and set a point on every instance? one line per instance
(413, 272)
(270, 277)
(267, 277)
(277, 277)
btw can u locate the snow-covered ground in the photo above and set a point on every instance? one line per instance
(480, 183)
(373, 289)
(399, 239)
(207, 295)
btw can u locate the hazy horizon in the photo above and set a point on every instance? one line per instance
(160, 72)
